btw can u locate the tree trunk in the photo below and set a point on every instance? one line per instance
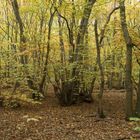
(129, 46)
(83, 28)
(137, 109)
(70, 90)
(41, 85)
(98, 46)
(100, 106)
(21, 28)
(24, 58)
(80, 43)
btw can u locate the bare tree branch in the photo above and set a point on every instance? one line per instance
(106, 23)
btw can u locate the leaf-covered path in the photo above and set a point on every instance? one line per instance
(49, 121)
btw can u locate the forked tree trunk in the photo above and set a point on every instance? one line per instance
(70, 90)
(98, 46)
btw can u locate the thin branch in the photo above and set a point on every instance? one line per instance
(5, 32)
(105, 25)
(69, 30)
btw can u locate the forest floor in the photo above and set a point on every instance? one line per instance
(49, 121)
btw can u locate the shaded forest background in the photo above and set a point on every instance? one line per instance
(73, 46)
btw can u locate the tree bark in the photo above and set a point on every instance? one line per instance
(21, 28)
(98, 46)
(47, 54)
(24, 58)
(137, 109)
(100, 95)
(83, 28)
(70, 90)
(129, 46)
(80, 43)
